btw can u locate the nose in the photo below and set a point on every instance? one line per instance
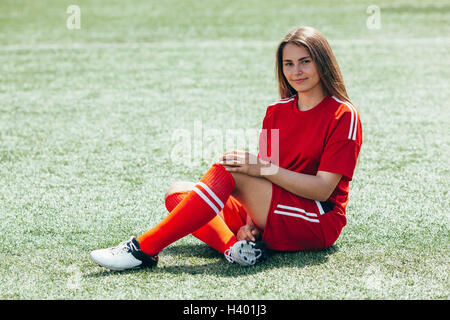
(298, 69)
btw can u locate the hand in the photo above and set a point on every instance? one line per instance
(243, 162)
(249, 233)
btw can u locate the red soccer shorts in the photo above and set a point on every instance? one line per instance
(293, 223)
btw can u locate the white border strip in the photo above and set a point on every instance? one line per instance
(296, 209)
(202, 195)
(212, 194)
(354, 119)
(282, 101)
(296, 216)
(319, 205)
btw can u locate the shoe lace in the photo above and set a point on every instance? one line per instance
(125, 246)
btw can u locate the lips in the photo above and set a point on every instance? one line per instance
(299, 80)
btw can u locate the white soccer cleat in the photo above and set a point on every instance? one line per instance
(127, 255)
(246, 253)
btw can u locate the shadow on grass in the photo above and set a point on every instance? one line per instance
(220, 267)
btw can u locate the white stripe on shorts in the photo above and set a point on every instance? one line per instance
(296, 209)
(319, 205)
(296, 216)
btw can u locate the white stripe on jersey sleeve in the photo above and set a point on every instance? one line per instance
(354, 119)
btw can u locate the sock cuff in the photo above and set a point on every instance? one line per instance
(173, 199)
(215, 187)
(220, 174)
(217, 176)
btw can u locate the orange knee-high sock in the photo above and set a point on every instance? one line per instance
(215, 233)
(200, 206)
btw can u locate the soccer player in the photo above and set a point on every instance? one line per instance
(291, 196)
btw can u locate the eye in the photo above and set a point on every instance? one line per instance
(306, 61)
(288, 64)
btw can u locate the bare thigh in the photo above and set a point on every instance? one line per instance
(255, 194)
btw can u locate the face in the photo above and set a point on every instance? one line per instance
(299, 68)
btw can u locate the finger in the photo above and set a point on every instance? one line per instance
(230, 164)
(232, 160)
(252, 238)
(233, 169)
(233, 156)
(226, 157)
(250, 235)
(234, 153)
(226, 154)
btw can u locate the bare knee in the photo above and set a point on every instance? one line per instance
(179, 186)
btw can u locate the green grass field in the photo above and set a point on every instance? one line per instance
(86, 132)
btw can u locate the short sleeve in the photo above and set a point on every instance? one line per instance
(342, 147)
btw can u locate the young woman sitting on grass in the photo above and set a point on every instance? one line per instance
(291, 196)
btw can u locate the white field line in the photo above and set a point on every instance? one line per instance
(212, 44)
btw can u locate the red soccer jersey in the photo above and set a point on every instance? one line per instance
(327, 137)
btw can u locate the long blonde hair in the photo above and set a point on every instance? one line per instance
(321, 53)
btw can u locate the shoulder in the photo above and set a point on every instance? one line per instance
(345, 116)
(279, 105)
(343, 109)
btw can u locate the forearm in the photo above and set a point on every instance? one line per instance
(314, 187)
(303, 185)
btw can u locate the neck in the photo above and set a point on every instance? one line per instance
(311, 98)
